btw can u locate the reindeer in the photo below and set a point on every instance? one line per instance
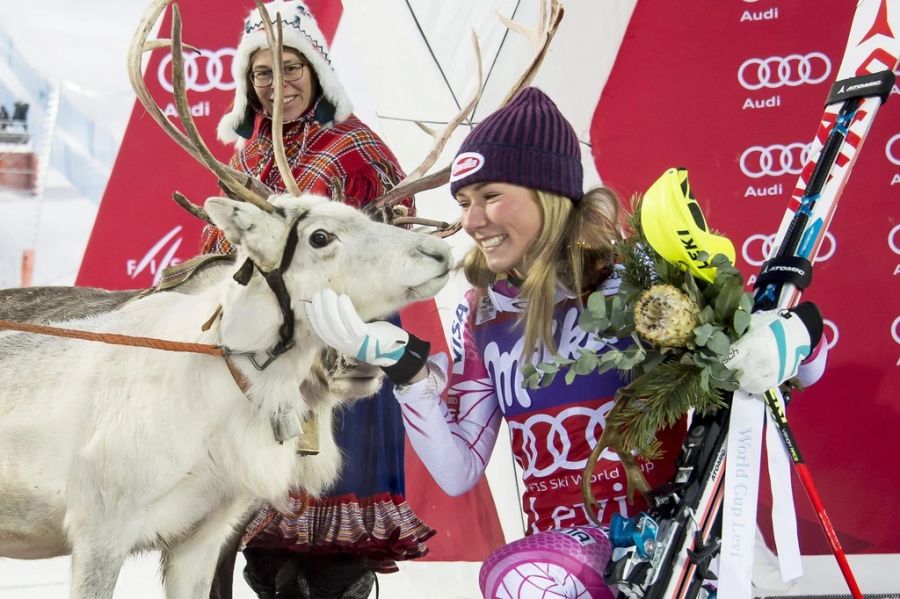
(106, 450)
(334, 379)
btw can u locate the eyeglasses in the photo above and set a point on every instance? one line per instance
(264, 77)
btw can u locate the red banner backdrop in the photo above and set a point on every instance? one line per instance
(139, 230)
(733, 91)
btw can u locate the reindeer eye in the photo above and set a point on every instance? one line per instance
(320, 238)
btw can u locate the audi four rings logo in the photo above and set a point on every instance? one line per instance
(777, 71)
(757, 248)
(774, 160)
(892, 150)
(203, 71)
(549, 434)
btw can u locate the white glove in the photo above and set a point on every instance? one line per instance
(336, 321)
(775, 344)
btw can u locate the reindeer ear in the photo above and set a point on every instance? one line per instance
(259, 233)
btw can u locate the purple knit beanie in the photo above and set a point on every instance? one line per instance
(528, 142)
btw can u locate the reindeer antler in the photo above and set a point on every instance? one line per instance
(540, 36)
(194, 209)
(440, 139)
(190, 142)
(416, 180)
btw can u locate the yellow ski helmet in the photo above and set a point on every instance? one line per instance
(675, 228)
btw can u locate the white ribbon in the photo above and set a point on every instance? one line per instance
(742, 465)
(742, 468)
(784, 519)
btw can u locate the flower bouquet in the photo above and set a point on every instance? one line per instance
(679, 322)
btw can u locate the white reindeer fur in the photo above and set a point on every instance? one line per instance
(106, 450)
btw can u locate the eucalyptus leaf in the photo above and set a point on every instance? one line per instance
(608, 360)
(549, 368)
(731, 272)
(719, 343)
(603, 328)
(707, 315)
(639, 352)
(728, 299)
(723, 378)
(588, 322)
(722, 372)
(617, 313)
(741, 321)
(630, 361)
(607, 366)
(626, 289)
(690, 287)
(703, 333)
(728, 385)
(722, 263)
(586, 362)
(719, 370)
(597, 304)
(615, 304)
(652, 360)
(703, 359)
(727, 271)
(570, 376)
(631, 358)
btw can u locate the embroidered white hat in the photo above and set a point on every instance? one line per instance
(301, 32)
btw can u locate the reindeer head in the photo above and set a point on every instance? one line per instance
(381, 267)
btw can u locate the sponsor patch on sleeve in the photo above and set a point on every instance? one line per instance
(457, 343)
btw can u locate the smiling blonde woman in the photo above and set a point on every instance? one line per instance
(541, 245)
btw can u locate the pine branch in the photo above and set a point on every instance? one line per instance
(657, 400)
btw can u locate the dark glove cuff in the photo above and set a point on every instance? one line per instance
(410, 363)
(809, 314)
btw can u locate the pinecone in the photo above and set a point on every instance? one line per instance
(665, 316)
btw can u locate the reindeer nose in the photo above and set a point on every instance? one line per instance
(438, 257)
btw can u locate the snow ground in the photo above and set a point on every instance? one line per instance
(49, 579)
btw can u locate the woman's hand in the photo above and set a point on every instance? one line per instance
(775, 344)
(336, 321)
